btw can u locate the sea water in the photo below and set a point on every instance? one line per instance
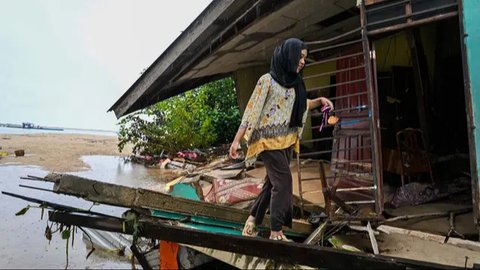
(22, 240)
(6, 130)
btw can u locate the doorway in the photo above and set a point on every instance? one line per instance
(421, 92)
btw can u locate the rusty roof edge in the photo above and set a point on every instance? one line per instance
(195, 30)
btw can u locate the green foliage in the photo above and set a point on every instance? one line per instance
(132, 219)
(66, 234)
(199, 118)
(22, 211)
(66, 231)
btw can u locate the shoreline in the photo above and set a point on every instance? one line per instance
(57, 152)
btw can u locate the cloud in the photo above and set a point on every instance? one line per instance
(64, 63)
(127, 36)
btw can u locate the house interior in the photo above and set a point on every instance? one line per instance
(419, 98)
(394, 70)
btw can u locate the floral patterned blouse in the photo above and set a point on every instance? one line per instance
(267, 117)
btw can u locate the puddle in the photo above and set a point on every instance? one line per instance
(22, 241)
(114, 170)
(10, 163)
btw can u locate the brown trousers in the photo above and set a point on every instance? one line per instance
(276, 194)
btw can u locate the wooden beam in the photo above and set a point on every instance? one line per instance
(60, 207)
(242, 261)
(281, 251)
(129, 197)
(373, 241)
(416, 23)
(422, 82)
(140, 258)
(317, 235)
(471, 245)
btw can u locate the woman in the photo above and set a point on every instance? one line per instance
(272, 125)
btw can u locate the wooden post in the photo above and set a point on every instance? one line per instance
(422, 85)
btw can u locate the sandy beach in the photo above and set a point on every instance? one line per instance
(22, 243)
(57, 152)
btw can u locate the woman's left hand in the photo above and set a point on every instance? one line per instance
(327, 102)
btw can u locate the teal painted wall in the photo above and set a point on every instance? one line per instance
(471, 11)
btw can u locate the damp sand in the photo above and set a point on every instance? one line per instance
(22, 240)
(57, 152)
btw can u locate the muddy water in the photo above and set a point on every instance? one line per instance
(22, 241)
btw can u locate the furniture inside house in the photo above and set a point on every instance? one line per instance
(414, 159)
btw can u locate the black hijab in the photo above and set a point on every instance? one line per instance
(283, 69)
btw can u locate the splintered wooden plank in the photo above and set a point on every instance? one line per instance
(280, 251)
(118, 195)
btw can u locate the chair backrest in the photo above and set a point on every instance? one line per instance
(410, 140)
(413, 156)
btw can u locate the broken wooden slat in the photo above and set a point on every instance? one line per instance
(430, 237)
(56, 206)
(242, 261)
(371, 235)
(317, 234)
(361, 229)
(286, 252)
(140, 258)
(170, 184)
(427, 215)
(117, 195)
(35, 178)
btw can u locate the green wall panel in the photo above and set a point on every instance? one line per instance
(471, 23)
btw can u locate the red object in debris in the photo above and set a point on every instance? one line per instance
(168, 255)
(19, 153)
(188, 155)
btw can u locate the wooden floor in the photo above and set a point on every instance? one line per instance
(312, 189)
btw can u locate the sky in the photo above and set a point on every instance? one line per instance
(65, 63)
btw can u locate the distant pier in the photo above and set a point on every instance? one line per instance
(28, 125)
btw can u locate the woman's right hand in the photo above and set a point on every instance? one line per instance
(232, 153)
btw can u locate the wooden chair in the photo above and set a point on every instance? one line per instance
(414, 158)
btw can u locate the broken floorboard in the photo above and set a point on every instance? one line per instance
(244, 261)
(280, 251)
(420, 246)
(123, 196)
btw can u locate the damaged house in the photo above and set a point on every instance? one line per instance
(403, 77)
(400, 72)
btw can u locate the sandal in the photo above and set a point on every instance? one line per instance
(250, 229)
(280, 238)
